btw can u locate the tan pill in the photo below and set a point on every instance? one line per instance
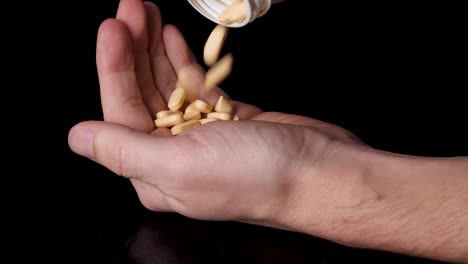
(169, 121)
(237, 12)
(202, 106)
(235, 118)
(223, 105)
(177, 99)
(207, 120)
(194, 115)
(214, 44)
(190, 108)
(219, 72)
(220, 116)
(164, 113)
(186, 126)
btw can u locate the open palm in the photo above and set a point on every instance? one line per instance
(203, 172)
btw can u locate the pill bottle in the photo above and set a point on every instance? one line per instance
(211, 9)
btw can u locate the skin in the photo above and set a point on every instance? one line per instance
(274, 169)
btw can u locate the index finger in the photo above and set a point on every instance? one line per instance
(121, 99)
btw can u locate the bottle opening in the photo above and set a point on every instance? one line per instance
(211, 9)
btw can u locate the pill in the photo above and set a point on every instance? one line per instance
(187, 79)
(207, 120)
(220, 116)
(191, 108)
(177, 99)
(164, 113)
(219, 72)
(237, 12)
(235, 118)
(214, 45)
(183, 127)
(193, 115)
(223, 105)
(202, 106)
(169, 121)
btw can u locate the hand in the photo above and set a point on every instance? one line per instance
(272, 169)
(223, 170)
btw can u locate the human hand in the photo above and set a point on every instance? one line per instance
(270, 168)
(223, 170)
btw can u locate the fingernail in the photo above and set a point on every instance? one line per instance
(81, 139)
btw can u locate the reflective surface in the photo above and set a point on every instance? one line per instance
(171, 239)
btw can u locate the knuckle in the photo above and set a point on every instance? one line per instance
(117, 158)
(114, 110)
(125, 161)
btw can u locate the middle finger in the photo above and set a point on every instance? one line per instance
(132, 13)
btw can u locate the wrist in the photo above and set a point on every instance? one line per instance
(330, 194)
(422, 207)
(367, 198)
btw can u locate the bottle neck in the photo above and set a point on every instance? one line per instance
(259, 7)
(211, 9)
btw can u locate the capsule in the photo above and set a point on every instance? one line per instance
(183, 127)
(207, 120)
(169, 121)
(220, 116)
(223, 105)
(194, 115)
(202, 106)
(177, 99)
(164, 113)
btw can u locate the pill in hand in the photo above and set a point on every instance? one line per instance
(193, 115)
(164, 113)
(223, 105)
(176, 99)
(202, 106)
(219, 116)
(169, 121)
(207, 120)
(183, 127)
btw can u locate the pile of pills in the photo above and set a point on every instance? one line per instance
(198, 112)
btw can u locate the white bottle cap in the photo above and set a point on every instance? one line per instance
(211, 9)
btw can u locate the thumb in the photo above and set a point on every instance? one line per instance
(124, 151)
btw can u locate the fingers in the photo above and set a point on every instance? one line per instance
(132, 13)
(182, 59)
(164, 75)
(127, 152)
(120, 96)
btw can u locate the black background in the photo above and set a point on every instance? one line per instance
(392, 73)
